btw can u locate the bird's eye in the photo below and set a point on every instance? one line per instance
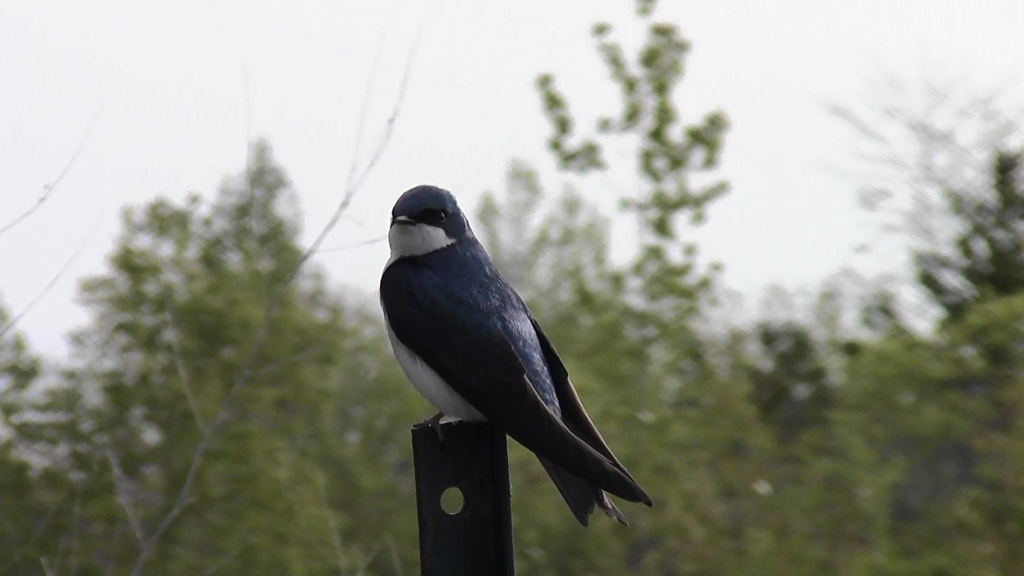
(432, 216)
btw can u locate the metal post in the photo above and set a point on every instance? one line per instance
(477, 539)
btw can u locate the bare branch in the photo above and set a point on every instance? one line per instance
(250, 239)
(182, 375)
(121, 493)
(339, 552)
(396, 560)
(291, 359)
(40, 528)
(53, 281)
(75, 514)
(390, 126)
(915, 148)
(365, 565)
(854, 120)
(246, 371)
(359, 244)
(915, 144)
(374, 158)
(50, 188)
(364, 107)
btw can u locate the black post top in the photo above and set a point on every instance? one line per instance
(476, 539)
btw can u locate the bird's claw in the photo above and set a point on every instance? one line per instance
(435, 423)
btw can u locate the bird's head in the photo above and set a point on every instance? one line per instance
(426, 219)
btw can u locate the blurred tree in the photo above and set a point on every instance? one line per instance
(223, 413)
(22, 509)
(934, 414)
(989, 257)
(989, 339)
(627, 333)
(696, 444)
(791, 387)
(937, 160)
(668, 154)
(936, 421)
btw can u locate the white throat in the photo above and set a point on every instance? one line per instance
(415, 240)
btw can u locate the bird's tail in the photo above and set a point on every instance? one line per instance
(581, 495)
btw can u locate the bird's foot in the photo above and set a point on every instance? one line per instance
(435, 423)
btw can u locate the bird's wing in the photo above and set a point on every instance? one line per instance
(479, 363)
(574, 415)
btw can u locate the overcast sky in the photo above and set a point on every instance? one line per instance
(164, 88)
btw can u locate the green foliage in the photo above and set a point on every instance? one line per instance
(22, 506)
(791, 387)
(988, 260)
(935, 419)
(19, 368)
(669, 153)
(208, 358)
(644, 393)
(907, 460)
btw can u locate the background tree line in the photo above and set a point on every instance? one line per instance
(227, 409)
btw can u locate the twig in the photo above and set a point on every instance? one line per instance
(49, 189)
(374, 158)
(364, 107)
(251, 241)
(247, 366)
(389, 127)
(182, 375)
(293, 358)
(339, 552)
(76, 510)
(122, 497)
(38, 532)
(396, 560)
(365, 565)
(359, 244)
(53, 281)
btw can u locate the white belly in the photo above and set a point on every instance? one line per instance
(429, 384)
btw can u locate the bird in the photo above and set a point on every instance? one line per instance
(470, 346)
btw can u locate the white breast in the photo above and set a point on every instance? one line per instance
(429, 384)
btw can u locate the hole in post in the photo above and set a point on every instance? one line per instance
(452, 501)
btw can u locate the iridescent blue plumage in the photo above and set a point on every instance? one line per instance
(481, 289)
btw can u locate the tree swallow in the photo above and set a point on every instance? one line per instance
(471, 347)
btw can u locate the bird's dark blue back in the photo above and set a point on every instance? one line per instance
(482, 290)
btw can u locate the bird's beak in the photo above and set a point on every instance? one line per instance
(404, 220)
